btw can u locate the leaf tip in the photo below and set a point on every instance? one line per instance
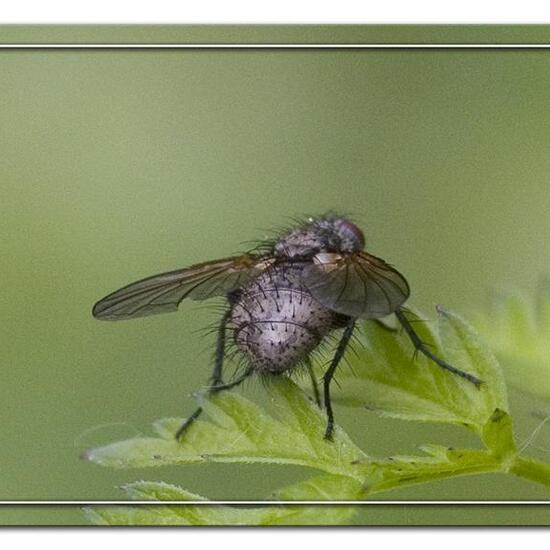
(498, 415)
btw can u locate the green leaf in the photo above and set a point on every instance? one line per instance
(325, 487)
(319, 488)
(517, 327)
(322, 514)
(169, 514)
(498, 434)
(158, 490)
(238, 430)
(440, 463)
(289, 429)
(384, 375)
(322, 487)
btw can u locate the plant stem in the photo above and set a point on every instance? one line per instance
(531, 469)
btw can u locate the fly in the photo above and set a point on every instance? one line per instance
(283, 298)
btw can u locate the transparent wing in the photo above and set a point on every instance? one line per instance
(162, 293)
(359, 285)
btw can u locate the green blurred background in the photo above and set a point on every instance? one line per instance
(115, 165)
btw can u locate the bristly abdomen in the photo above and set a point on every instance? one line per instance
(277, 322)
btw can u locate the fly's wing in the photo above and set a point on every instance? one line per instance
(358, 285)
(162, 293)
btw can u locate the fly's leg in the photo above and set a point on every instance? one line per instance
(216, 378)
(188, 421)
(327, 378)
(236, 382)
(422, 348)
(213, 390)
(314, 385)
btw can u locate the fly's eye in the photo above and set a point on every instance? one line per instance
(350, 231)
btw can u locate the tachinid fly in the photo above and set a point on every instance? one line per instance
(283, 298)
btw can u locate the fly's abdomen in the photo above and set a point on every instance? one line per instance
(277, 322)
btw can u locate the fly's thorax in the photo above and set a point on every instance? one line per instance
(303, 243)
(277, 322)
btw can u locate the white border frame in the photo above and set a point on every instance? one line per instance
(295, 46)
(274, 46)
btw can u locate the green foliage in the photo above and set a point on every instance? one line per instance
(238, 430)
(289, 428)
(206, 514)
(517, 328)
(386, 376)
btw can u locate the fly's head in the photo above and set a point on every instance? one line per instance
(333, 234)
(341, 235)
